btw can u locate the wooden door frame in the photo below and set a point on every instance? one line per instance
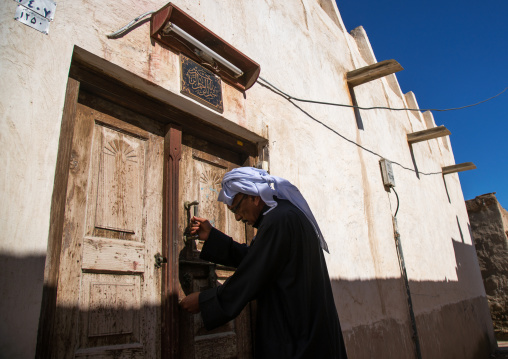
(57, 214)
(84, 77)
(170, 275)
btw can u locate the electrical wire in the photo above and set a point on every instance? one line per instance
(129, 25)
(396, 195)
(290, 97)
(349, 140)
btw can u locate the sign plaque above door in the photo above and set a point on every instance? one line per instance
(200, 84)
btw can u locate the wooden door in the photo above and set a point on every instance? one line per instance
(202, 167)
(108, 298)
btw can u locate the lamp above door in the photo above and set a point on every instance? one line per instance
(180, 32)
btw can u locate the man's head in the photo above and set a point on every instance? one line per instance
(246, 208)
(260, 188)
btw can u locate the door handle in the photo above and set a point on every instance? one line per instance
(188, 205)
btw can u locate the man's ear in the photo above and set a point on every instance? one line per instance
(258, 202)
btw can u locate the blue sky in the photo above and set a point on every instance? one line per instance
(454, 53)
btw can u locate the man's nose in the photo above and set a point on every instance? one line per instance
(238, 217)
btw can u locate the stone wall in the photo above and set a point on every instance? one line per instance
(489, 224)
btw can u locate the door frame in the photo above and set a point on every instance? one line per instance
(83, 76)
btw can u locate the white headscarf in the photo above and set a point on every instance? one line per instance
(257, 182)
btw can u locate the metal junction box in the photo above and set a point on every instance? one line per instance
(387, 173)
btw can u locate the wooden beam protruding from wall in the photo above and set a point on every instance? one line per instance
(372, 72)
(466, 166)
(428, 134)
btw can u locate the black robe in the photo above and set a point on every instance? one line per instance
(285, 271)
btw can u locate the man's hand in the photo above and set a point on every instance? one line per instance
(200, 226)
(191, 303)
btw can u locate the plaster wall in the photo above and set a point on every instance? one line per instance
(331, 153)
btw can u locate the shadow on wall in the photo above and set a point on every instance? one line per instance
(21, 288)
(448, 325)
(452, 317)
(21, 284)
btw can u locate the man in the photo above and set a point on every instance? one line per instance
(283, 269)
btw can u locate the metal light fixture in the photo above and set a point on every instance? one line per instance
(202, 51)
(178, 31)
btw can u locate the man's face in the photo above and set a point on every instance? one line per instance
(246, 208)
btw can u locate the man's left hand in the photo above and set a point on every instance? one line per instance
(191, 303)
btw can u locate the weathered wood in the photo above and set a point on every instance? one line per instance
(170, 214)
(372, 72)
(140, 125)
(203, 166)
(466, 166)
(112, 90)
(82, 322)
(111, 313)
(152, 215)
(66, 320)
(111, 190)
(133, 351)
(49, 293)
(428, 134)
(109, 255)
(120, 181)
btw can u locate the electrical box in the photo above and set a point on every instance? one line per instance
(387, 173)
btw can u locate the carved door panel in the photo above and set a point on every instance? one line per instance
(108, 299)
(202, 167)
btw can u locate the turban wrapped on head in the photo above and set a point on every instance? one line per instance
(257, 182)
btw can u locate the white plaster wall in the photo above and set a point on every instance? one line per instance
(303, 49)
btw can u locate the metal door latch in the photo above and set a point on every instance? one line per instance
(159, 260)
(188, 205)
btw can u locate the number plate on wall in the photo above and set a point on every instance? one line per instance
(45, 8)
(32, 19)
(200, 84)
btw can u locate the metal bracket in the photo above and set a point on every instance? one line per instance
(159, 260)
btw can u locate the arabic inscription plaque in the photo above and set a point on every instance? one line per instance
(200, 84)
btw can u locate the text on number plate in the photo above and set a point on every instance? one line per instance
(32, 19)
(45, 8)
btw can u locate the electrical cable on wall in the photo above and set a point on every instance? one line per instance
(351, 141)
(129, 25)
(396, 195)
(289, 97)
(402, 265)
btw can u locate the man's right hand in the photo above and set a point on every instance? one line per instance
(201, 227)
